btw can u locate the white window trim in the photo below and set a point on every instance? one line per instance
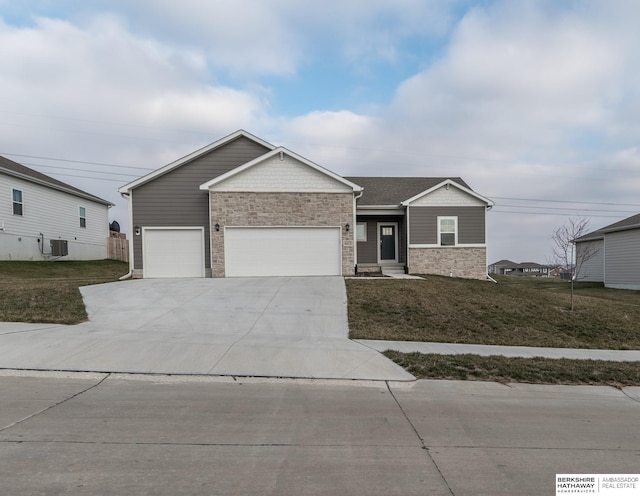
(21, 202)
(80, 209)
(364, 238)
(455, 226)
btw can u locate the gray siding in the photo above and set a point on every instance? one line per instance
(424, 224)
(175, 199)
(368, 250)
(591, 270)
(622, 259)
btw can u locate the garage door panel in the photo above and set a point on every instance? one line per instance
(173, 252)
(282, 251)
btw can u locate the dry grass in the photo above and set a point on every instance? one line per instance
(48, 291)
(516, 311)
(528, 370)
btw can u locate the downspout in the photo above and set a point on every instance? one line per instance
(210, 239)
(129, 274)
(486, 244)
(355, 230)
(406, 254)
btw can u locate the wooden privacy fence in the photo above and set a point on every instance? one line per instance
(118, 247)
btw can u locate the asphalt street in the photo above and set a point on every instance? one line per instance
(118, 434)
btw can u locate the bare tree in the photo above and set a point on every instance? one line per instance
(564, 248)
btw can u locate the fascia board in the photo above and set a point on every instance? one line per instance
(187, 158)
(586, 238)
(489, 202)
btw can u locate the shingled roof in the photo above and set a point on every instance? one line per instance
(395, 190)
(632, 222)
(15, 169)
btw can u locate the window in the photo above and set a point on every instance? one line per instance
(17, 201)
(448, 231)
(361, 231)
(83, 217)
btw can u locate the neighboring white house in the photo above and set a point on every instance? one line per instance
(616, 254)
(38, 214)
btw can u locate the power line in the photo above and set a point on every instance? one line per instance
(81, 170)
(564, 209)
(121, 181)
(569, 201)
(76, 161)
(549, 213)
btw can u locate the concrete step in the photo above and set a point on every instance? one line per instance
(392, 270)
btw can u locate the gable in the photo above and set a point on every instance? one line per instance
(448, 193)
(239, 140)
(448, 196)
(392, 191)
(280, 171)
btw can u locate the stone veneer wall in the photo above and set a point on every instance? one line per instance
(280, 209)
(469, 263)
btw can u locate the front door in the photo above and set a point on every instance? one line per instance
(387, 237)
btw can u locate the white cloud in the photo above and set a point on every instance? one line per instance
(243, 37)
(98, 93)
(332, 139)
(279, 37)
(514, 83)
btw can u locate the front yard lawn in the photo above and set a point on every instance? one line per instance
(48, 291)
(516, 311)
(510, 369)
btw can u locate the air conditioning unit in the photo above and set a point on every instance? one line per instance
(59, 247)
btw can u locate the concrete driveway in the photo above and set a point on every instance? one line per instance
(265, 327)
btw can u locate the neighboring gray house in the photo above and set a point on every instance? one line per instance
(243, 207)
(616, 254)
(42, 218)
(509, 268)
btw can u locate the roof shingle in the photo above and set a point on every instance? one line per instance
(395, 190)
(18, 170)
(628, 223)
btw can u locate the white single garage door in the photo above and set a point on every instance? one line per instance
(173, 252)
(282, 251)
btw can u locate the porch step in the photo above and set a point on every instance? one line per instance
(392, 270)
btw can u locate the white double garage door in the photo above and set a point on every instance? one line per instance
(249, 251)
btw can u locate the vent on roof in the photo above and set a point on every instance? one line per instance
(59, 247)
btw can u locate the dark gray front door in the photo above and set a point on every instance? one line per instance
(387, 242)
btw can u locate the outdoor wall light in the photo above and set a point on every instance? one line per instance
(217, 227)
(347, 226)
(137, 230)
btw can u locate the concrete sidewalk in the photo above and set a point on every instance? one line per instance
(508, 351)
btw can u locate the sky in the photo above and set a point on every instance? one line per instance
(535, 104)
